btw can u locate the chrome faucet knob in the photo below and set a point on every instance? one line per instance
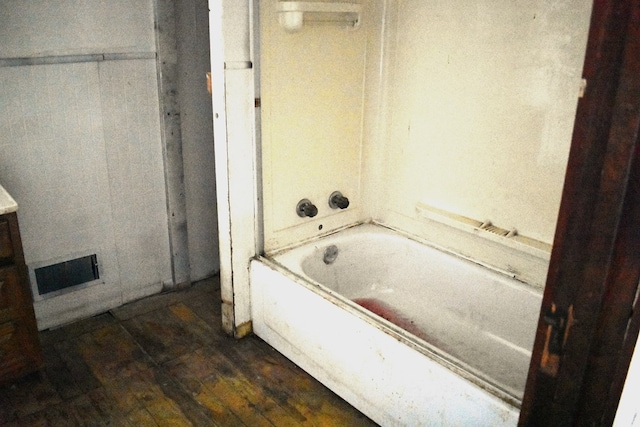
(306, 208)
(338, 201)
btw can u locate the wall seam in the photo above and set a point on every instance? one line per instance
(166, 46)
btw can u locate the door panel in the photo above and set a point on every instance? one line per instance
(594, 269)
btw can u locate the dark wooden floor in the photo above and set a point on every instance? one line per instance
(163, 361)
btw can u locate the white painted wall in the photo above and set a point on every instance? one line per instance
(192, 22)
(482, 102)
(313, 92)
(47, 28)
(80, 148)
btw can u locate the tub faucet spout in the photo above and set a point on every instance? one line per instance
(330, 254)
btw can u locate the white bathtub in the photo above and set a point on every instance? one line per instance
(449, 345)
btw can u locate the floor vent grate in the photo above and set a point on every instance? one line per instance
(66, 274)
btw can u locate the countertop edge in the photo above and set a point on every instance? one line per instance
(7, 203)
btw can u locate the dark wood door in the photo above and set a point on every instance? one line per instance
(588, 324)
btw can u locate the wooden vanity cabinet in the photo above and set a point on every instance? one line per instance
(20, 351)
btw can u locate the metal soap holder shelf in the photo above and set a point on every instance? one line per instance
(293, 14)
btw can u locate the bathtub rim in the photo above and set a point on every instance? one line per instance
(531, 287)
(429, 350)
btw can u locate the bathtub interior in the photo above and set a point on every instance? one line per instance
(476, 318)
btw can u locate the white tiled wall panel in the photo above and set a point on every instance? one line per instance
(53, 158)
(80, 151)
(33, 28)
(129, 97)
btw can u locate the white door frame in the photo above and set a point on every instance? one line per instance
(236, 161)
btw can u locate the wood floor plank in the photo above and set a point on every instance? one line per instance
(7, 409)
(221, 414)
(166, 412)
(236, 402)
(197, 414)
(165, 337)
(110, 411)
(189, 370)
(32, 394)
(193, 371)
(203, 333)
(141, 418)
(205, 303)
(120, 396)
(261, 402)
(81, 373)
(202, 366)
(294, 389)
(73, 330)
(146, 305)
(111, 352)
(37, 419)
(59, 374)
(254, 388)
(83, 413)
(143, 387)
(210, 364)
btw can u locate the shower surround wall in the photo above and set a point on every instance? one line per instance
(464, 107)
(482, 101)
(81, 148)
(312, 92)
